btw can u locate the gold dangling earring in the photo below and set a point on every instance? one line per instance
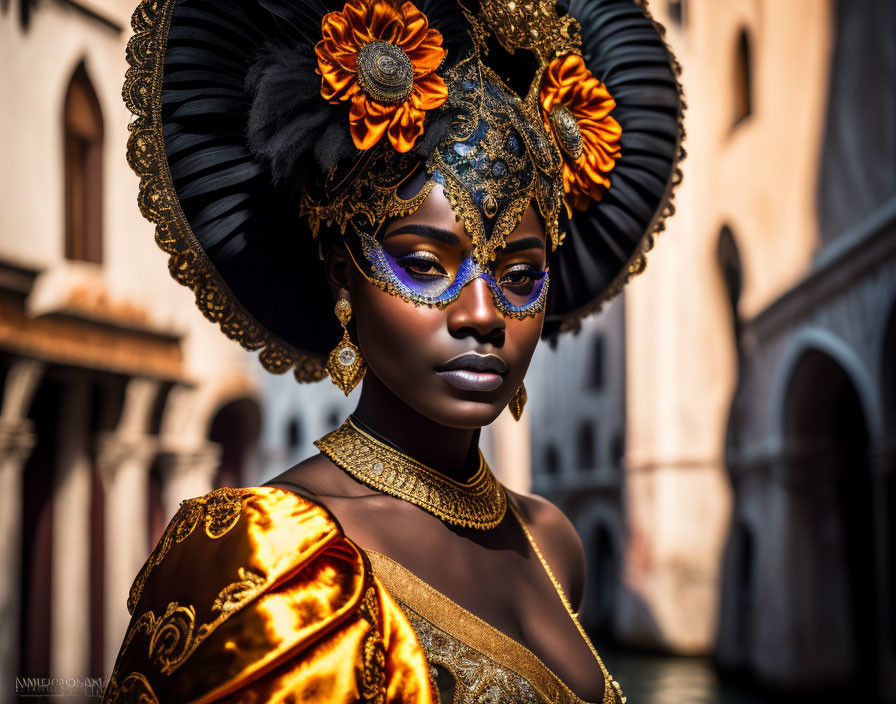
(345, 364)
(518, 401)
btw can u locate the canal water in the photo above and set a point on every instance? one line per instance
(655, 679)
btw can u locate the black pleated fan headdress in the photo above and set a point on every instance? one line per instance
(265, 126)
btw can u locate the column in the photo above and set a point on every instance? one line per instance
(70, 588)
(17, 440)
(125, 457)
(187, 474)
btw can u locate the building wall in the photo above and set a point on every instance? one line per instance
(757, 175)
(115, 393)
(810, 567)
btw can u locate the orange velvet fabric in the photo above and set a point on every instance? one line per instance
(567, 81)
(345, 33)
(254, 595)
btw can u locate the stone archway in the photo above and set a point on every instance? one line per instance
(823, 554)
(235, 428)
(602, 537)
(605, 572)
(884, 458)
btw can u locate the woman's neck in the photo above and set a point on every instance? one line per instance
(451, 451)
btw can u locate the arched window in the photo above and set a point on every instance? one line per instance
(743, 79)
(728, 259)
(618, 450)
(293, 433)
(596, 373)
(551, 460)
(585, 441)
(677, 11)
(83, 124)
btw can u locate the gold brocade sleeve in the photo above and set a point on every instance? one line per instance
(255, 595)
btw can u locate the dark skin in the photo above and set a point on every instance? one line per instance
(494, 574)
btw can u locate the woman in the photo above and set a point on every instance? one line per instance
(461, 181)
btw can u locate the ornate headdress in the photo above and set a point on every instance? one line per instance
(264, 126)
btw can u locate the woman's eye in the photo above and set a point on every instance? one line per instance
(520, 276)
(423, 265)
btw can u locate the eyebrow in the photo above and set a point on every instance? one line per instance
(521, 244)
(435, 233)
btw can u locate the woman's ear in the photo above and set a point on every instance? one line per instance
(336, 268)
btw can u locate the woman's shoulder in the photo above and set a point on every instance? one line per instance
(314, 479)
(558, 541)
(257, 588)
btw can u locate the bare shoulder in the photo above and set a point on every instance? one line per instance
(316, 479)
(558, 541)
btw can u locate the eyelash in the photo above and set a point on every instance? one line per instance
(531, 274)
(428, 259)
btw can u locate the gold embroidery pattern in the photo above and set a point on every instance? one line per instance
(220, 511)
(172, 640)
(532, 25)
(159, 204)
(372, 674)
(448, 617)
(233, 596)
(500, 151)
(135, 689)
(480, 503)
(368, 196)
(173, 637)
(476, 678)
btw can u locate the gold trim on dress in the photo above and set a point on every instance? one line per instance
(449, 616)
(479, 503)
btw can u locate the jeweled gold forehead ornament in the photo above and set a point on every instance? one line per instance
(555, 144)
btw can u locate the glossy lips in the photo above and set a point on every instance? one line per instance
(474, 372)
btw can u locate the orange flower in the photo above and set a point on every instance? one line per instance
(577, 110)
(382, 58)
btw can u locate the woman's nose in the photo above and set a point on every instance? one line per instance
(475, 313)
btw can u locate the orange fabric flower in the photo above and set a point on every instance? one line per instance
(570, 91)
(400, 110)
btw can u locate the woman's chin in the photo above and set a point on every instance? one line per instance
(463, 414)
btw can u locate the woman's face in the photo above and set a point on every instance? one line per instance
(458, 365)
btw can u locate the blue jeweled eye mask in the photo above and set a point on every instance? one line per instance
(418, 278)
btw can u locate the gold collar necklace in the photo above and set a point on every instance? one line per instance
(479, 503)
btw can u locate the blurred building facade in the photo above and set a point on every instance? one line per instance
(755, 76)
(118, 399)
(809, 593)
(756, 506)
(577, 411)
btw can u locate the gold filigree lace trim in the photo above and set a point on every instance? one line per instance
(480, 503)
(466, 675)
(159, 204)
(454, 620)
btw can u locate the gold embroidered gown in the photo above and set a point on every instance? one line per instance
(255, 595)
